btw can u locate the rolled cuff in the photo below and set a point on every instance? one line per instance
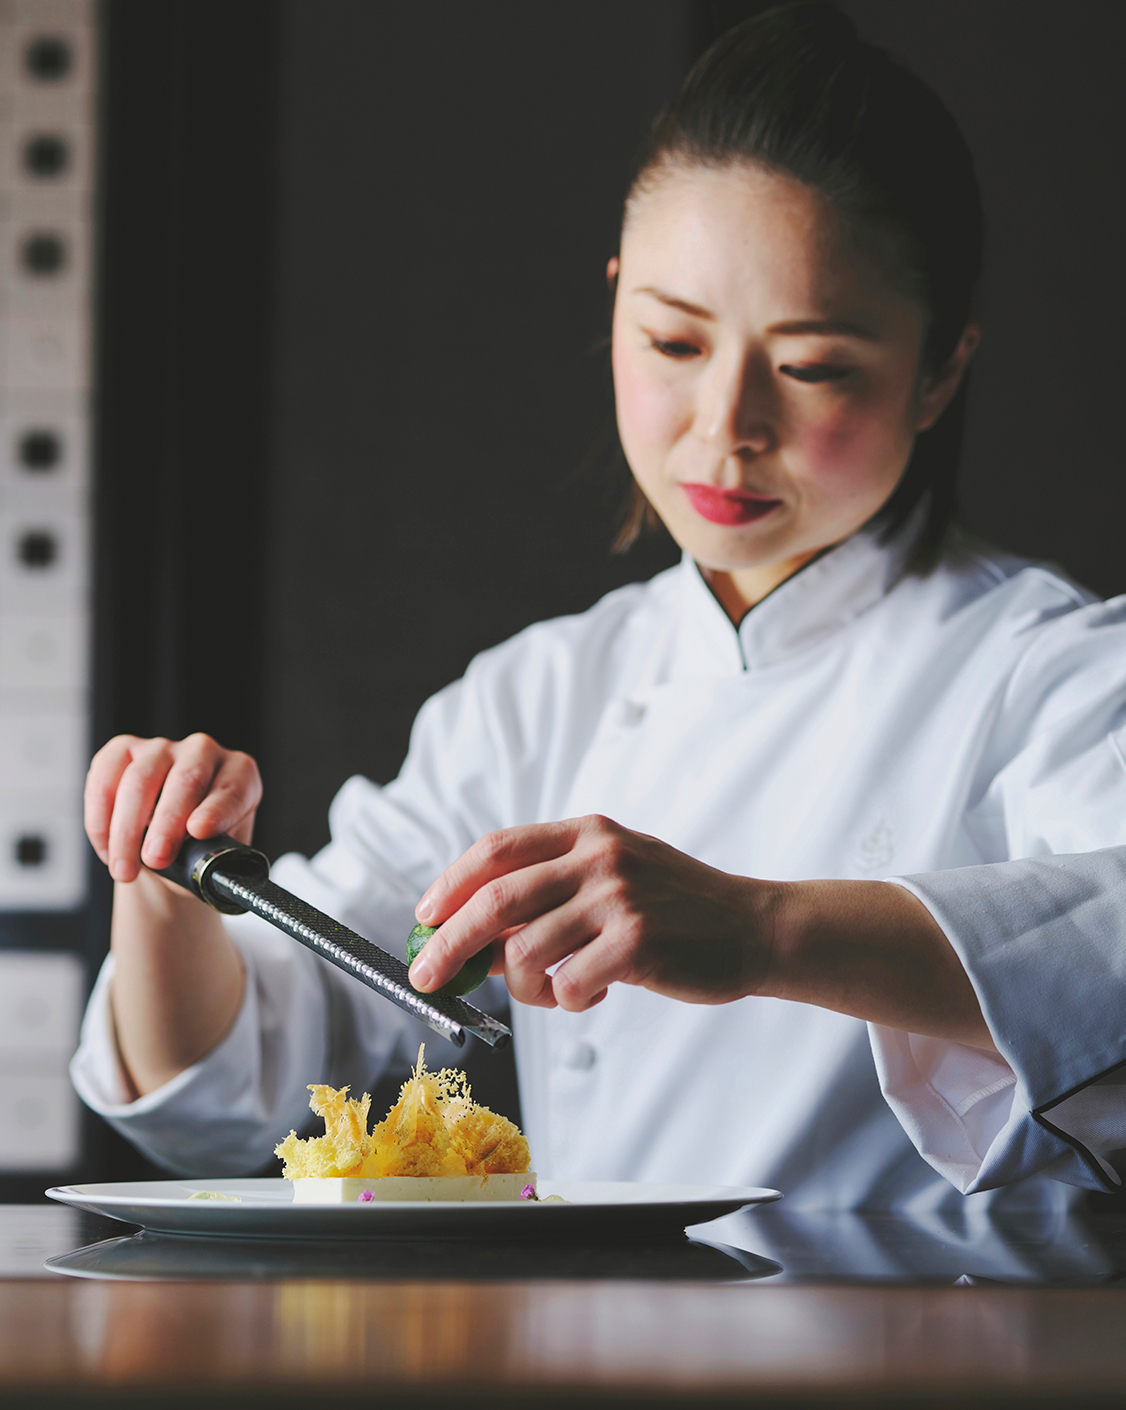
(1043, 942)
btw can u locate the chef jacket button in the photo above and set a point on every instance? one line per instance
(625, 714)
(579, 1056)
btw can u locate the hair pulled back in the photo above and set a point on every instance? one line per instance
(796, 90)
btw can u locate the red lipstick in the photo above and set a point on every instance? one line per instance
(728, 506)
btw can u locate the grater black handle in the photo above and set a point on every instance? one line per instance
(196, 858)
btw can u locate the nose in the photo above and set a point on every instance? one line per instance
(735, 414)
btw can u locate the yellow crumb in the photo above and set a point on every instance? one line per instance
(435, 1128)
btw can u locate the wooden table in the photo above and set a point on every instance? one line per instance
(439, 1340)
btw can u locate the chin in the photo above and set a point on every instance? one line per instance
(727, 557)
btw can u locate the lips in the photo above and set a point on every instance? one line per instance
(728, 506)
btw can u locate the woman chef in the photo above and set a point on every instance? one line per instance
(673, 817)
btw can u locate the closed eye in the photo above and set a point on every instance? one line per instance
(673, 348)
(819, 372)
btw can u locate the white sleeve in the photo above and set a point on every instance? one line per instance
(224, 1114)
(1043, 939)
(302, 1020)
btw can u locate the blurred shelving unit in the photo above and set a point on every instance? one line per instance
(47, 139)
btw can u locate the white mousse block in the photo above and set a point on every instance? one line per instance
(347, 1190)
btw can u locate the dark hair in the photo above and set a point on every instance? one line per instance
(796, 90)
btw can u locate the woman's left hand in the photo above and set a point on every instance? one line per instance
(573, 907)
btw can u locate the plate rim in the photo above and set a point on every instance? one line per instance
(90, 1192)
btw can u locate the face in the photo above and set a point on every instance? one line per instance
(766, 373)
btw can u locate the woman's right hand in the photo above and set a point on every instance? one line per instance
(179, 978)
(171, 788)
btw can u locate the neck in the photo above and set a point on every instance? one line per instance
(737, 592)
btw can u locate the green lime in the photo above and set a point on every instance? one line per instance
(470, 976)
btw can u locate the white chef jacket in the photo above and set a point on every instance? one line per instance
(858, 723)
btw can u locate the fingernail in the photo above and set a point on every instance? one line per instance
(421, 975)
(120, 871)
(425, 909)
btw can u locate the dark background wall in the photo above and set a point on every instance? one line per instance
(187, 194)
(1038, 90)
(450, 181)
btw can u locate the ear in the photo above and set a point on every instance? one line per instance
(612, 266)
(938, 388)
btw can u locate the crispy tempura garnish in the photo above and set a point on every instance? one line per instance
(345, 1143)
(435, 1128)
(413, 1138)
(489, 1144)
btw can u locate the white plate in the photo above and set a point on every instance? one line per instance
(612, 1210)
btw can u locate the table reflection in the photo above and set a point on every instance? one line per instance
(767, 1245)
(153, 1257)
(953, 1245)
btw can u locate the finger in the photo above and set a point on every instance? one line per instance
(235, 793)
(537, 947)
(495, 855)
(542, 997)
(189, 780)
(133, 806)
(506, 901)
(534, 959)
(498, 950)
(590, 1003)
(585, 978)
(104, 775)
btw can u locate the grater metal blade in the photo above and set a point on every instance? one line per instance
(233, 878)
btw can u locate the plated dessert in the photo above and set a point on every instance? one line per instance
(435, 1144)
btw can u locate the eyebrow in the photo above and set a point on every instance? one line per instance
(827, 327)
(694, 309)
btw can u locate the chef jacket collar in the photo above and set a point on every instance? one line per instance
(817, 602)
